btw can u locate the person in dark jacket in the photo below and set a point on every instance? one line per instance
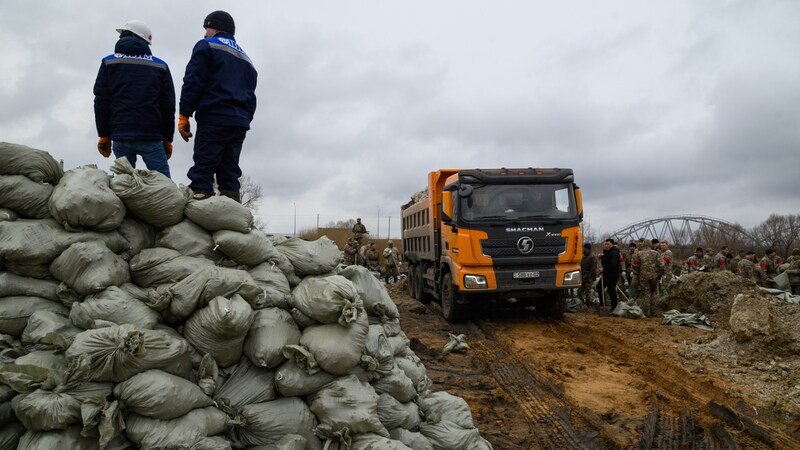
(219, 89)
(134, 101)
(610, 269)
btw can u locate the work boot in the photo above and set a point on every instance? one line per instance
(202, 195)
(232, 194)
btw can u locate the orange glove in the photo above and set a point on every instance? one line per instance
(168, 149)
(104, 146)
(184, 128)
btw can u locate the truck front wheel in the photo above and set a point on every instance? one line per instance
(452, 311)
(554, 305)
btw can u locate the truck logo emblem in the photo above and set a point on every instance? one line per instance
(525, 245)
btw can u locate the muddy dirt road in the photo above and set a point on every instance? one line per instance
(595, 382)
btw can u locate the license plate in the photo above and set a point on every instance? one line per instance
(517, 275)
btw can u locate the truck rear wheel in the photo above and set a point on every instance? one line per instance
(554, 305)
(452, 311)
(422, 296)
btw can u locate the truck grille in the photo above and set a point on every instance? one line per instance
(499, 248)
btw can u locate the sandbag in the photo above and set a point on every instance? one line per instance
(183, 432)
(8, 215)
(159, 265)
(48, 329)
(273, 282)
(220, 329)
(45, 410)
(250, 249)
(121, 351)
(327, 299)
(138, 234)
(369, 441)
(219, 213)
(10, 434)
(337, 349)
(114, 305)
(444, 406)
(53, 362)
(160, 395)
(292, 381)
(89, 267)
(393, 414)
(412, 439)
(346, 403)
(396, 384)
(412, 366)
(84, 199)
(41, 241)
(446, 434)
(272, 329)
(35, 164)
(149, 195)
(62, 439)
(284, 265)
(188, 239)
(372, 292)
(266, 423)
(311, 257)
(13, 285)
(247, 384)
(15, 311)
(25, 197)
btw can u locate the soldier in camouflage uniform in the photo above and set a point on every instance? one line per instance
(666, 257)
(718, 263)
(747, 267)
(588, 274)
(391, 260)
(372, 258)
(647, 269)
(768, 268)
(794, 272)
(695, 262)
(736, 259)
(708, 260)
(633, 292)
(350, 252)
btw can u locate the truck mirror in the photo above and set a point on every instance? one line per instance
(447, 206)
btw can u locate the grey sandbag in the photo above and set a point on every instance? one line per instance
(378, 359)
(412, 439)
(160, 395)
(337, 349)
(250, 249)
(247, 384)
(272, 329)
(8, 215)
(446, 434)
(346, 403)
(188, 239)
(311, 257)
(396, 384)
(90, 267)
(15, 311)
(287, 442)
(444, 406)
(84, 199)
(48, 329)
(148, 194)
(70, 438)
(199, 288)
(369, 441)
(138, 234)
(10, 433)
(285, 266)
(25, 197)
(38, 165)
(293, 381)
(183, 432)
(41, 241)
(372, 291)
(220, 329)
(277, 292)
(220, 213)
(394, 414)
(331, 299)
(412, 366)
(160, 265)
(266, 423)
(37, 271)
(121, 351)
(114, 305)
(53, 361)
(13, 285)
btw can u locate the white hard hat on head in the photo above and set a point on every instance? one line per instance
(138, 28)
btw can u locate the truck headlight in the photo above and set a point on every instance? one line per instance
(572, 278)
(475, 282)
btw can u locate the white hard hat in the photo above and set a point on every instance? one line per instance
(138, 28)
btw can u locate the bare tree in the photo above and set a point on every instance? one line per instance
(251, 198)
(588, 233)
(346, 224)
(781, 232)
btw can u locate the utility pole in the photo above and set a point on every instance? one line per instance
(318, 221)
(295, 219)
(378, 231)
(389, 233)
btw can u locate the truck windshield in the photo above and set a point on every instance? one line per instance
(515, 202)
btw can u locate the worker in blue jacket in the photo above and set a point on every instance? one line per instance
(134, 101)
(219, 88)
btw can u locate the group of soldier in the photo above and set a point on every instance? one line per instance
(366, 254)
(648, 267)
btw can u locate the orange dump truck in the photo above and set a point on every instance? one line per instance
(486, 235)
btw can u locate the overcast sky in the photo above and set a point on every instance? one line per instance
(661, 108)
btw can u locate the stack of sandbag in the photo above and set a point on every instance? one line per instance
(134, 317)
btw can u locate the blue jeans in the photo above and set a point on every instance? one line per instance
(152, 153)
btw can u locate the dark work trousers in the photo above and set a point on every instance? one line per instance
(610, 284)
(216, 153)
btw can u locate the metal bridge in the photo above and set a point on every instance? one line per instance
(680, 230)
